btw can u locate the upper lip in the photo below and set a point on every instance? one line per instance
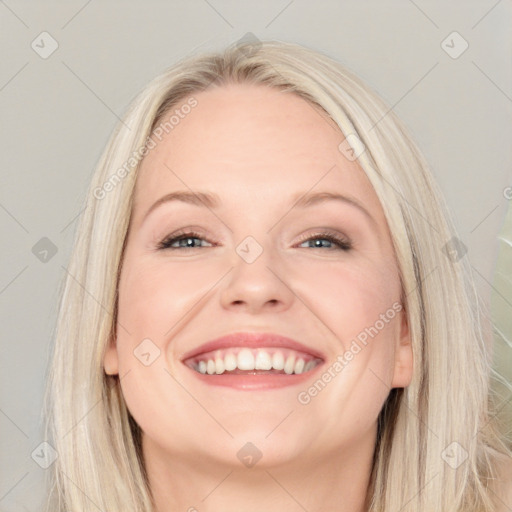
(252, 340)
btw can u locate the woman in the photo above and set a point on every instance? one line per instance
(266, 308)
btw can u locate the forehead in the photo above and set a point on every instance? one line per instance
(250, 143)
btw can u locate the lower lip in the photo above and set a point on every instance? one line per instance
(255, 382)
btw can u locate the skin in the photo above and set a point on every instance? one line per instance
(256, 148)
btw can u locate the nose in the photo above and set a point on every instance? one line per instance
(257, 286)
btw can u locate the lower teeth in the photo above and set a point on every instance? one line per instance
(237, 371)
(251, 372)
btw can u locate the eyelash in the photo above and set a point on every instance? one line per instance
(343, 243)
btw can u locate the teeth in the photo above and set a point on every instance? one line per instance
(263, 361)
(289, 365)
(230, 362)
(299, 366)
(309, 366)
(278, 360)
(202, 367)
(260, 359)
(245, 359)
(219, 365)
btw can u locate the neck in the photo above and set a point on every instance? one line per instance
(196, 483)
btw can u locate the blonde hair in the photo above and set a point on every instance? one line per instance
(449, 399)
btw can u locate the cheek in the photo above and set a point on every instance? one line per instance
(156, 297)
(155, 300)
(349, 298)
(360, 310)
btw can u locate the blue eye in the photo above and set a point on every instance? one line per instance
(342, 243)
(187, 241)
(186, 238)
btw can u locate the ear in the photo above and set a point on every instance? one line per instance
(403, 356)
(110, 360)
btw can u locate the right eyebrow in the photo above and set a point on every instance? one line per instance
(195, 198)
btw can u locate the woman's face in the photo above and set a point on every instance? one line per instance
(263, 259)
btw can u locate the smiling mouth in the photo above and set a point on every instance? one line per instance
(248, 361)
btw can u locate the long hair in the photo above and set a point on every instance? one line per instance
(439, 442)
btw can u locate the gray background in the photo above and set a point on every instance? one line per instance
(58, 112)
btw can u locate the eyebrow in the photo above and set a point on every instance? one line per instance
(300, 200)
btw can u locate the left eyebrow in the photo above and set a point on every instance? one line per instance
(306, 200)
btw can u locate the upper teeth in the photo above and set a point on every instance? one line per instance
(247, 359)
